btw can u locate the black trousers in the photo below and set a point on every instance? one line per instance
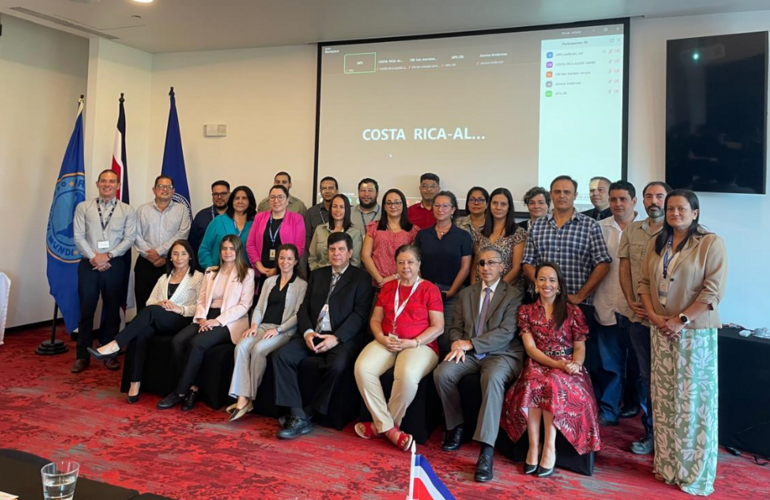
(145, 277)
(92, 284)
(190, 347)
(286, 361)
(152, 320)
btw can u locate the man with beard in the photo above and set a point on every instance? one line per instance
(367, 210)
(220, 192)
(319, 213)
(633, 245)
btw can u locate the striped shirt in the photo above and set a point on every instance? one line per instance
(156, 230)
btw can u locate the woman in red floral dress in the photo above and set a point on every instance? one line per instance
(554, 383)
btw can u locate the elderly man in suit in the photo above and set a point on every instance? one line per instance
(483, 340)
(332, 321)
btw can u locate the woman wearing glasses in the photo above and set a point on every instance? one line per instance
(237, 220)
(273, 228)
(339, 214)
(385, 236)
(475, 207)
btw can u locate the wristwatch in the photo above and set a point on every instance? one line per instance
(684, 319)
(278, 329)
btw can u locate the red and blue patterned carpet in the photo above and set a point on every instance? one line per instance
(47, 411)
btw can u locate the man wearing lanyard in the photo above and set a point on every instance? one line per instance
(104, 229)
(319, 213)
(367, 210)
(220, 193)
(484, 340)
(333, 319)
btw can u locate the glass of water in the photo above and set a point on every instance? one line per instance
(59, 480)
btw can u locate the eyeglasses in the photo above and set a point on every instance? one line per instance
(443, 206)
(164, 187)
(277, 197)
(393, 203)
(428, 186)
(220, 195)
(476, 200)
(485, 263)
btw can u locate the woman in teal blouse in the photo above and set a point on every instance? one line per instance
(237, 219)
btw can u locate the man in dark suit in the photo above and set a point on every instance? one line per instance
(332, 324)
(484, 340)
(600, 198)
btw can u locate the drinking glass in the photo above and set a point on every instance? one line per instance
(59, 480)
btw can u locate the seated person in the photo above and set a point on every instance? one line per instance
(221, 316)
(407, 320)
(332, 321)
(169, 309)
(554, 384)
(483, 340)
(273, 323)
(339, 221)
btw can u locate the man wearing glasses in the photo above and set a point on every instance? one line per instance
(295, 204)
(220, 193)
(483, 337)
(421, 214)
(159, 224)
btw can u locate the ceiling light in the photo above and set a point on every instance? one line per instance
(143, 1)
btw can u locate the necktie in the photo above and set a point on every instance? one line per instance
(325, 310)
(483, 317)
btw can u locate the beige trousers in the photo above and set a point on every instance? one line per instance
(411, 365)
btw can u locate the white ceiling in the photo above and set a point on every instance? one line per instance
(192, 25)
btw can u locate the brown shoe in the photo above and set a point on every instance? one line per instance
(112, 364)
(79, 366)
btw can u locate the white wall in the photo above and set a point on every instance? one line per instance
(742, 220)
(42, 74)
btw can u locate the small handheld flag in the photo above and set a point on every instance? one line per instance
(423, 483)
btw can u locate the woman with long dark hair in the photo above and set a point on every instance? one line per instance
(684, 277)
(237, 220)
(500, 231)
(339, 222)
(554, 385)
(475, 209)
(385, 236)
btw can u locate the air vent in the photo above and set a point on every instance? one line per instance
(62, 22)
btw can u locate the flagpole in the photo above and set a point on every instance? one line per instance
(411, 473)
(52, 347)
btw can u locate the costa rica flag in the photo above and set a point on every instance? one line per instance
(423, 483)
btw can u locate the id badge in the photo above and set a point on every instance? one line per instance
(664, 288)
(272, 254)
(102, 245)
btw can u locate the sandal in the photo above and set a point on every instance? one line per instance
(400, 439)
(366, 430)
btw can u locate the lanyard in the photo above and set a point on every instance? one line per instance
(666, 258)
(363, 219)
(321, 213)
(270, 229)
(399, 308)
(101, 218)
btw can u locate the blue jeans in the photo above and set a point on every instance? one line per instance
(611, 369)
(640, 340)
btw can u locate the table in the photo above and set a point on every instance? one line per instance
(744, 392)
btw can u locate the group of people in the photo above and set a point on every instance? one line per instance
(551, 311)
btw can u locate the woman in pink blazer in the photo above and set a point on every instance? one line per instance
(272, 229)
(221, 315)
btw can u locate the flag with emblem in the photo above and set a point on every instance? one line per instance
(173, 157)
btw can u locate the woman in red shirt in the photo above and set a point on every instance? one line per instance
(407, 320)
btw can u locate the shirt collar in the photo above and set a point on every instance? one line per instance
(574, 214)
(375, 209)
(343, 271)
(493, 286)
(112, 201)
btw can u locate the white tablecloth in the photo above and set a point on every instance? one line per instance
(5, 290)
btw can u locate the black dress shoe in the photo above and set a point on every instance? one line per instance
(644, 446)
(132, 399)
(605, 422)
(295, 427)
(529, 469)
(452, 439)
(483, 469)
(80, 365)
(190, 400)
(629, 411)
(101, 357)
(112, 364)
(169, 401)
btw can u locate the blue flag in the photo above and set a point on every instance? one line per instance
(173, 158)
(63, 255)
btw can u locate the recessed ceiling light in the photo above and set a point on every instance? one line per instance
(143, 1)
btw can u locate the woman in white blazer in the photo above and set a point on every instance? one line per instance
(221, 315)
(273, 323)
(169, 309)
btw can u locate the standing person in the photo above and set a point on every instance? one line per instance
(294, 205)
(159, 223)
(367, 210)
(538, 202)
(483, 340)
(271, 230)
(475, 206)
(554, 385)
(446, 251)
(684, 277)
(385, 236)
(611, 310)
(170, 308)
(318, 214)
(104, 229)
(421, 214)
(406, 321)
(632, 253)
(332, 321)
(339, 222)
(599, 189)
(273, 324)
(220, 192)
(237, 220)
(221, 316)
(500, 231)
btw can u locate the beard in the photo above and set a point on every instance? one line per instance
(655, 212)
(368, 206)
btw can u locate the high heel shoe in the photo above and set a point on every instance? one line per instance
(132, 399)
(529, 469)
(543, 472)
(101, 357)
